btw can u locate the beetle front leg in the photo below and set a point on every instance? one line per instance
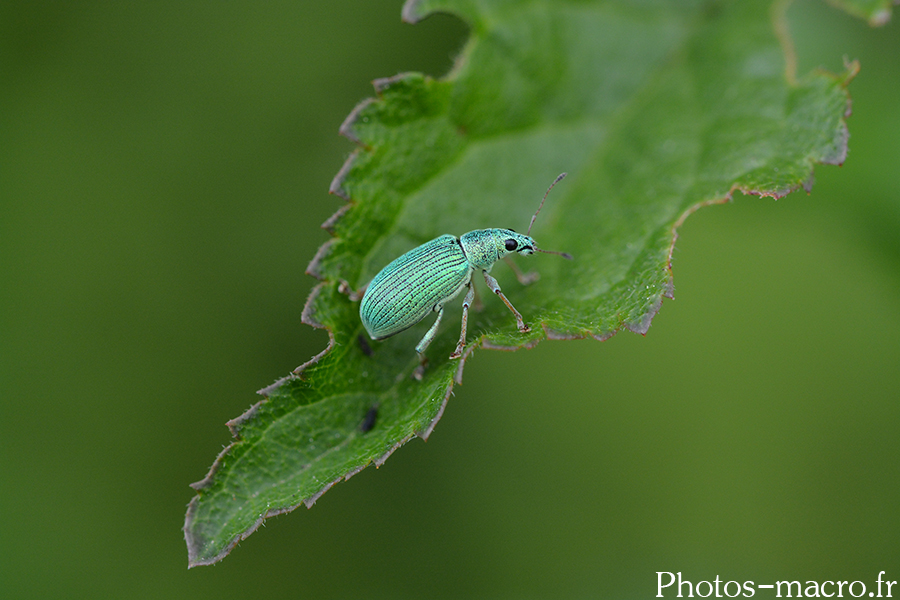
(470, 295)
(495, 287)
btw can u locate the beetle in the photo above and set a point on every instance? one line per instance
(427, 277)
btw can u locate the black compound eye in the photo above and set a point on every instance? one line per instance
(511, 245)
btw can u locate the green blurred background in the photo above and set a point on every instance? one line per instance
(163, 175)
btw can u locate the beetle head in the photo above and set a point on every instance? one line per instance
(508, 241)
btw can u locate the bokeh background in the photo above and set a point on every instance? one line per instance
(163, 176)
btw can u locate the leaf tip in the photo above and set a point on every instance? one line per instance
(337, 184)
(642, 325)
(295, 374)
(313, 268)
(235, 424)
(880, 17)
(383, 84)
(383, 458)
(348, 127)
(309, 502)
(198, 545)
(416, 10)
(412, 12)
(332, 221)
(307, 316)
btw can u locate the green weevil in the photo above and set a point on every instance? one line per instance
(427, 277)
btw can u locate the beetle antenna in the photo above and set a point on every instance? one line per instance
(555, 181)
(565, 255)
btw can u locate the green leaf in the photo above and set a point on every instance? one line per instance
(653, 108)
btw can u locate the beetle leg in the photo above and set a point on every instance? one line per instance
(524, 278)
(431, 332)
(470, 295)
(495, 287)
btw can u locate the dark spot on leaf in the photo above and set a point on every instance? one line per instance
(364, 345)
(368, 421)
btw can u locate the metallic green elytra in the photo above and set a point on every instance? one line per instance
(427, 277)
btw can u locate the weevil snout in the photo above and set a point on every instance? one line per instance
(515, 242)
(521, 244)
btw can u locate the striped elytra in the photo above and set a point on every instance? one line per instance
(410, 287)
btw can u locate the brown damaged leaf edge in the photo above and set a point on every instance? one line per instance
(412, 13)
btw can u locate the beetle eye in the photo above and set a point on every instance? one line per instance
(511, 245)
